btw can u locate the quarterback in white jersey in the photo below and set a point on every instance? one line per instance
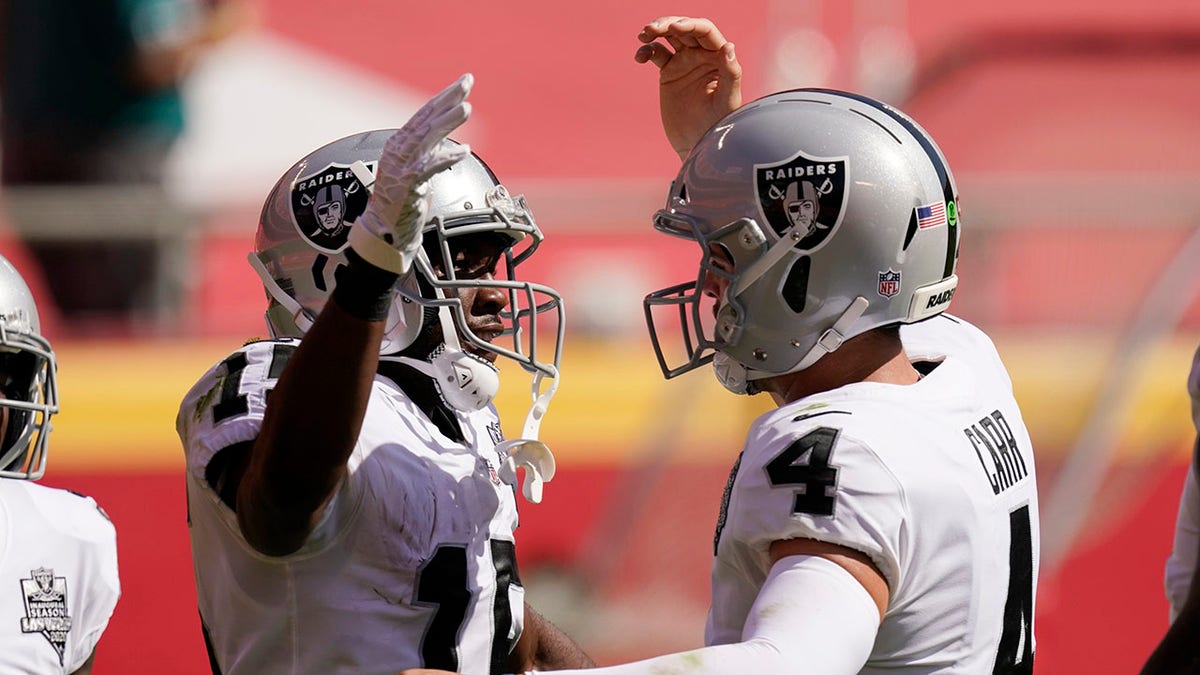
(58, 550)
(933, 481)
(351, 494)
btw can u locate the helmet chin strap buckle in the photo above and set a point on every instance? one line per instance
(739, 380)
(835, 335)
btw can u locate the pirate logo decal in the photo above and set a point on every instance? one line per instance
(46, 608)
(806, 193)
(325, 203)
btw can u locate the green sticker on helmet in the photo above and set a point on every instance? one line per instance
(951, 213)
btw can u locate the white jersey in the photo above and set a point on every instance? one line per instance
(58, 578)
(413, 564)
(1182, 561)
(933, 481)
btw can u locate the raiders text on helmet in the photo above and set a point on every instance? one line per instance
(839, 214)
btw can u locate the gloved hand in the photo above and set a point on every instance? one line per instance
(389, 233)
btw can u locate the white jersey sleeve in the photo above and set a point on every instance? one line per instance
(58, 578)
(809, 480)
(226, 408)
(226, 405)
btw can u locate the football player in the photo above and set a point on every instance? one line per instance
(58, 550)
(351, 495)
(884, 517)
(1178, 652)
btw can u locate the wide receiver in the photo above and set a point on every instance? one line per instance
(58, 550)
(351, 493)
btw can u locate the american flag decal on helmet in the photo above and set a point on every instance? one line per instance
(931, 215)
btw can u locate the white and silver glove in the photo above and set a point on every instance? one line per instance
(388, 235)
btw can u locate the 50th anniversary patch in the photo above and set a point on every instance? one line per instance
(805, 192)
(325, 203)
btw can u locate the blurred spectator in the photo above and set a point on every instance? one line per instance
(90, 96)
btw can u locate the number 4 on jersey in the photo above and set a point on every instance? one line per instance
(806, 463)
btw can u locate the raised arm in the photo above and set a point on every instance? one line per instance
(316, 410)
(699, 79)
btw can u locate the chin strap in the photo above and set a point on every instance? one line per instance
(528, 452)
(737, 378)
(833, 338)
(299, 315)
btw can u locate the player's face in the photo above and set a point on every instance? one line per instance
(478, 257)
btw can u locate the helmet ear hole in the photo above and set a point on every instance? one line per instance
(795, 285)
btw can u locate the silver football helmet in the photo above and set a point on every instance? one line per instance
(301, 241)
(837, 213)
(28, 380)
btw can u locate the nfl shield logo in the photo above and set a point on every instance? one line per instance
(889, 283)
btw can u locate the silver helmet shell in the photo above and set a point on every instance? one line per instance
(28, 380)
(301, 241)
(838, 213)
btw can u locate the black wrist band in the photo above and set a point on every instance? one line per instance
(363, 290)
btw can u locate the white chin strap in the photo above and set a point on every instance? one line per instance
(736, 377)
(299, 315)
(528, 452)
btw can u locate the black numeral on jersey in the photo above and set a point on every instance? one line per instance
(443, 582)
(232, 402)
(816, 475)
(1015, 654)
(504, 559)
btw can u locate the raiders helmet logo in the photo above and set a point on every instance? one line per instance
(325, 203)
(805, 192)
